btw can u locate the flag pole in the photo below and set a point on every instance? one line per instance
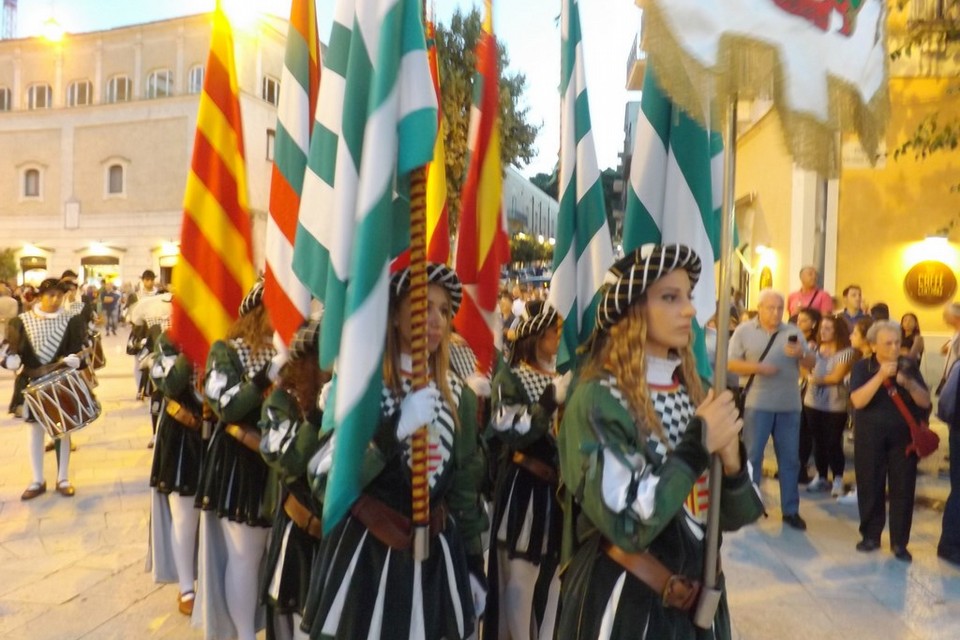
(420, 485)
(710, 596)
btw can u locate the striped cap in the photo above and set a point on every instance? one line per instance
(536, 318)
(306, 341)
(253, 299)
(436, 274)
(630, 276)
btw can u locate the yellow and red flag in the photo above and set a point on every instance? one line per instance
(216, 261)
(482, 244)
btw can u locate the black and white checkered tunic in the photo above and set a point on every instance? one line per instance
(463, 361)
(534, 382)
(45, 333)
(672, 405)
(440, 430)
(252, 363)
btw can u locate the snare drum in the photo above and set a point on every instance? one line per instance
(61, 402)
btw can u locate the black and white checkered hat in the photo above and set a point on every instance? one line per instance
(536, 318)
(253, 299)
(436, 274)
(630, 276)
(306, 340)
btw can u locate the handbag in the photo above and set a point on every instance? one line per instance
(924, 441)
(740, 396)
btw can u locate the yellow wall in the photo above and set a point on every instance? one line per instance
(765, 168)
(886, 212)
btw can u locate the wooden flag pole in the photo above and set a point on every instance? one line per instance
(710, 597)
(418, 341)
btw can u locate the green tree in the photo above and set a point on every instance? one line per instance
(456, 50)
(8, 264)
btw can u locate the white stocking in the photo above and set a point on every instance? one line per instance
(245, 547)
(184, 533)
(518, 580)
(550, 612)
(64, 464)
(35, 447)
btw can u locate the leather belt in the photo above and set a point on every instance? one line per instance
(676, 591)
(301, 516)
(391, 527)
(181, 414)
(247, 436)
(538, 468)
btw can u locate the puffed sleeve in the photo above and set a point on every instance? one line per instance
(231, 395)
(289, 438)
(517, 420)
(628, 495)
(469, 468)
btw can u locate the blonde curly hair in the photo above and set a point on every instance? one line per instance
(620, 352)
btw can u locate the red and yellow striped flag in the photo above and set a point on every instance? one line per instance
(438, 226)
(482, 244)
(216, 261)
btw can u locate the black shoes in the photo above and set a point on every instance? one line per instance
(866, 545)
(795, 521)
(901, 553)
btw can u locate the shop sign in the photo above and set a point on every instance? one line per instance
(930, 283)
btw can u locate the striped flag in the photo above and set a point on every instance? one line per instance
(584, 251)
(376, 121)
(675, 193)
(482, 244)
(216, 261)
(286, 298)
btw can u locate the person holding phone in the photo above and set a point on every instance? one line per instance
(767, 355)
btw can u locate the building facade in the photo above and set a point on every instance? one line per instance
(97, 133)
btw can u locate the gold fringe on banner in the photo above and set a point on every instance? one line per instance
(747, 69)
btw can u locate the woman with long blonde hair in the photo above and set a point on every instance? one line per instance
(366, 582)
(635, 445)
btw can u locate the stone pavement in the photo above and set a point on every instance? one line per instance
(74, 568)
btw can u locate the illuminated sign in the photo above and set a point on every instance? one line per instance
(930, 283)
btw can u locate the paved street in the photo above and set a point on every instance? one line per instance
(74, 568)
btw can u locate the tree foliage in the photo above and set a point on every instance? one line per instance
(8, 264)
(456, 50)
(525, 249)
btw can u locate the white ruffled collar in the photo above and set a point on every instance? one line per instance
(44, 314)
(660, 370)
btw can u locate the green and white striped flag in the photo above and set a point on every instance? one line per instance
(675, 194)
(583, 251)
(376, 120)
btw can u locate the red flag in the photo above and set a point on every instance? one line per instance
(482, 244)
(216, 261)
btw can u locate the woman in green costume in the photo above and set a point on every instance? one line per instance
(634, 458)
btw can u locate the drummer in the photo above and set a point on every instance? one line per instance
(43, 339)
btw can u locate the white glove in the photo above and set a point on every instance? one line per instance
(479, 384)
(12, 362)
(479, 596)
(561, 384)
(276, 364)
(506, 416)
(416, 410)
(72, 360)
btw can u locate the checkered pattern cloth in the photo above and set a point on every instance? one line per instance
(252, 363)
(45, 333)
(673, 406)
(440, 431)
(463, 360)
(534, 382)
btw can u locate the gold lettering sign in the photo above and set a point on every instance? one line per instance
(930, 283)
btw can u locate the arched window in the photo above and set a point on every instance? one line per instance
(160, 84)
(119, 89)
(31, 183)
(195, 84)
(80, 93)
(270, 90)
(39, 96)
(5, 104)
(115, 179)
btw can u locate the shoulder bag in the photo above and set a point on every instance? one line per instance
(924, 440)
(741, 397)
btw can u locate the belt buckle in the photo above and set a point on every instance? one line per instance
(677, 592)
